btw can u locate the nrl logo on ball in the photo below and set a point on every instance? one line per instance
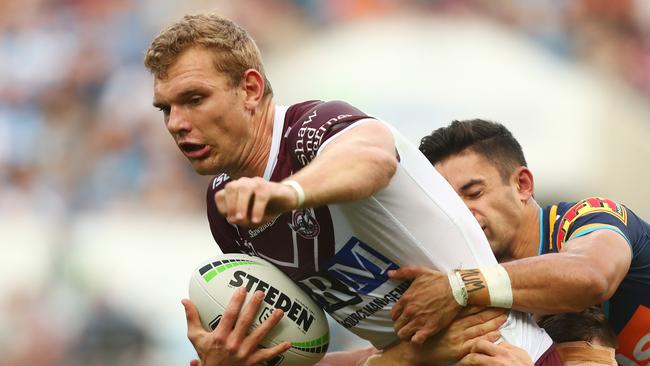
(304, 223)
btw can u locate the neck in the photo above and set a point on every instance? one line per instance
(526, 243)
(257, 153)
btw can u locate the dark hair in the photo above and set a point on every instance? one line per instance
(588, 325)
(490, 139)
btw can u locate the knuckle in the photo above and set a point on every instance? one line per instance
(219, 340)
(232, 348)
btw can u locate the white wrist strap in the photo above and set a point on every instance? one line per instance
(298, 188)
(458, 288)
(499, 286)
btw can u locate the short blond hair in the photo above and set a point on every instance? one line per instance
(234, 49)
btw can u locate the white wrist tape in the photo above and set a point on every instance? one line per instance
(458, 288)
(499, 286)
(298, 188)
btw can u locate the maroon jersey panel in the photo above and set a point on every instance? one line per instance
(312, 123)
(301, 241)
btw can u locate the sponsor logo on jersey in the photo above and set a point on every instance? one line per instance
(350, 281)
(219, 179)
(258, 230)
(294, 310)
(586, 207)
(304, 223)
(310, 138)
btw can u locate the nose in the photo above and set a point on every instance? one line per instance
(177, 123)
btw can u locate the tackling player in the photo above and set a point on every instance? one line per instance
(596, 250)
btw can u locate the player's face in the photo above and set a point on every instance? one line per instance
(493, 202)
(203, 112)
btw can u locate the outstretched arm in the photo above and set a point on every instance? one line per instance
(587, 272)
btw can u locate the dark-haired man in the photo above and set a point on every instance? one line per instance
(596, 250)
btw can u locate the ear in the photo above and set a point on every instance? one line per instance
(524, 182)
(253, 85)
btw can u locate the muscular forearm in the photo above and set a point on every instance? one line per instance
(354, 166)
(556, 283)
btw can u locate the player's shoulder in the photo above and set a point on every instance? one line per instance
(318, 111)
(590, 210)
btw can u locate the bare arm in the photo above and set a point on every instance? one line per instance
(355, 165)
(587, 272)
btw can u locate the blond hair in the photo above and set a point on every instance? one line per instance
(233, 48)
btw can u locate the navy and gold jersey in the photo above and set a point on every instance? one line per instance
(629, 308)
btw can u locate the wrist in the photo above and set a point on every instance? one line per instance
(300, 193)
(487, 286)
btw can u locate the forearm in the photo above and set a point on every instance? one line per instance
(358, 164)
(553, 283)
(556, 283)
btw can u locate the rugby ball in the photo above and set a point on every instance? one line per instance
(304, 324)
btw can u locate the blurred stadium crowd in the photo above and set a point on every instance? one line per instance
(78, 133)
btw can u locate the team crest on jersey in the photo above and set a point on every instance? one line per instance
(586, 207)
(304, 223)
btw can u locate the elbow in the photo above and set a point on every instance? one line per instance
(596, 290)
(386, 168)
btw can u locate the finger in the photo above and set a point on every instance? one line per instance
(265, 354)
(259, 205)
(485, 347)
(232, 190)
(397, 310)
(220, 200)
(421, 336)
(406, 273)
(194, 328)
(471, 310)
(260, 332)
(247, 316)
(474, 359)
(231, 313)
(195, 363)
(490, 337)
(243, 201)
(407, 331)
(486, 327)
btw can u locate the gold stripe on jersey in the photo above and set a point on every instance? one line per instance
(592, 227)
(552, 217)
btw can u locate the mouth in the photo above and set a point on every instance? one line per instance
(194, 150)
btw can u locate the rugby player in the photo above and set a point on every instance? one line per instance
(333, 197)
(595, 250)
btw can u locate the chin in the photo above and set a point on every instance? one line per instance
(203, 169)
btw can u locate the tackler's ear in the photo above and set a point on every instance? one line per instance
(525, 183)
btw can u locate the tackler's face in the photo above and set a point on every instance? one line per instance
(493, 201)
(203, 112)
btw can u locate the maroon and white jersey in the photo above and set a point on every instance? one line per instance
(341, 253)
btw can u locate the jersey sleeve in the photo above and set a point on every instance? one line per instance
(593, 214)
(317, 125)
(222, 232)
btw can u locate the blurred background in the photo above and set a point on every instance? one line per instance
(102, 219)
